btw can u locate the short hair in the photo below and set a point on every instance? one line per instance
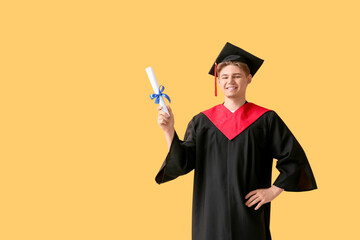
(241, 65)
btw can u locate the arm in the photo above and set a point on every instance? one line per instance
(295, 172)
(181, 156)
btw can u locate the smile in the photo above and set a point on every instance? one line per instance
(231, 88)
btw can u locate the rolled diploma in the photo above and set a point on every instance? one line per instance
(155, 87)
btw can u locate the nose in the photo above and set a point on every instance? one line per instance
(231, 79)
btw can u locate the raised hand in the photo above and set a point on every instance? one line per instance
(166, 123)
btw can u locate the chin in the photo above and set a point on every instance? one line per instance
(231, 96)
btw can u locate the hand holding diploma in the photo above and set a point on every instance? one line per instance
(166, 122)
(165, 116)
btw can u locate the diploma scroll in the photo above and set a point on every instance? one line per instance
(156, 88)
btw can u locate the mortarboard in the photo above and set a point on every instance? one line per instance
(231, 52)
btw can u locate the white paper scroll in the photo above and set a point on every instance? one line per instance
(155, 87)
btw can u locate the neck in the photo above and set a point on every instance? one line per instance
(234, 103)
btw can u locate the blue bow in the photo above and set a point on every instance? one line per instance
(157, 96)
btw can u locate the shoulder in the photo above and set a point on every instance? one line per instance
(265, 115)
(274, 121)
(197, 120)
(268, 115)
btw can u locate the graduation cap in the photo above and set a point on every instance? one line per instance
(231, 52)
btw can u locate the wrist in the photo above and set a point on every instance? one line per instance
(276, 190)
(169, 131)
(169, 135)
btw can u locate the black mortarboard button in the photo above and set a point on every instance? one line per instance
(231, 52)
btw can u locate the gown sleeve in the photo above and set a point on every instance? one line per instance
(181, 156)
(295, 171)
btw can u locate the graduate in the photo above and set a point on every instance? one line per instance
(231, 148)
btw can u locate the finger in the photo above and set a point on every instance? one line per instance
(163, 121)
(159, 107)
(254, 202)
(162, 113)
(162, 118)
(251, 199)
(259, 205)
(169, 109)
(250, 193)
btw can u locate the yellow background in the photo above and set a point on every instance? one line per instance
(80, 145)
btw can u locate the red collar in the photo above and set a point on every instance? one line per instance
(232, 124)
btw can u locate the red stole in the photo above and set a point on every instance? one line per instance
(232, 124)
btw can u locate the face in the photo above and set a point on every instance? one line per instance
(233, 81)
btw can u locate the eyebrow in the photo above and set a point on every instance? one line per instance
(224, 74)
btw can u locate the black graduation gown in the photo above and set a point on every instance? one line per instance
(232, 154)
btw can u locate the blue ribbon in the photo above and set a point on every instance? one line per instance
(157, 96)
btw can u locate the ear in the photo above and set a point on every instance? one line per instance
(249, 77)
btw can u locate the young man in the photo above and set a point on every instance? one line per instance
(231, 149)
